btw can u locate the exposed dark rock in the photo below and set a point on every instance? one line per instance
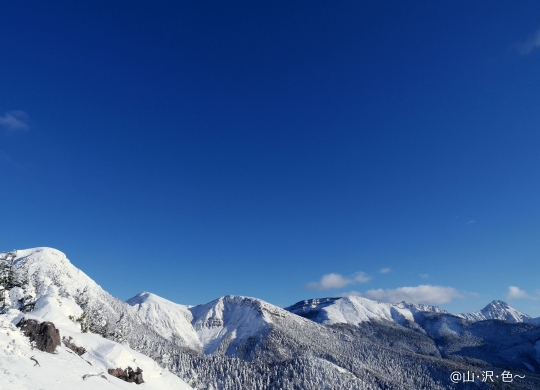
(69, 344)
(128, 374)
(43, 335)
(86, 376)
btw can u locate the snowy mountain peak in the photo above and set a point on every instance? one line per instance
(497, 310)
(500, 310)
(48, 266)
(42, 258)
(146, 297)
(169, 319)
(230, 320)
(497, 305)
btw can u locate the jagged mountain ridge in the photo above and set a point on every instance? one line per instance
(285, 351)
(259, 332)
(498, 334)
(354, 310)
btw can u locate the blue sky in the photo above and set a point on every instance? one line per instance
(282, 150)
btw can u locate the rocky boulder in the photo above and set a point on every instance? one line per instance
(128, 374)
(43, 335)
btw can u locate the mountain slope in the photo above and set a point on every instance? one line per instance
(169, 319)
(497, 310)
(257, 331)
(229, 322)
(498, 335)
(103, 314)
(354, 310)
(65, 369)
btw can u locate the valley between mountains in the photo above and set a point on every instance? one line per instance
(237, 342)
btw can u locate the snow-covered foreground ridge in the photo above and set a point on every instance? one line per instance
(239, 342)
(65, 369)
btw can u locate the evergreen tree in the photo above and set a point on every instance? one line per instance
(9, 278)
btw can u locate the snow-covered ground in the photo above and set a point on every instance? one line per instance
(65, 370)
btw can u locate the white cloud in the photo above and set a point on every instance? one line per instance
(329, 281)
(361, 277)
(428, 294)
(332, 280)
(13, 121)
(385, 270)
(425, 276)
(530, 44)
(515, 292)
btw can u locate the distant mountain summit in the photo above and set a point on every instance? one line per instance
(169, 319)
(497, 310)
(226, 323)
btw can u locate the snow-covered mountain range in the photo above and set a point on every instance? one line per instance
(354, 310)
(245, 343)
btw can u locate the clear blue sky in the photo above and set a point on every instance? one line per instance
(197, 149)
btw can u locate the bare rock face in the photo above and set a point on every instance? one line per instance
(128, 374)
(68, 342)
(44, 335)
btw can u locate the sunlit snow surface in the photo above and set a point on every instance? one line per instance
(498, 310)
(354, 310)
(65, 370)
(169, 319)
(230, 319)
